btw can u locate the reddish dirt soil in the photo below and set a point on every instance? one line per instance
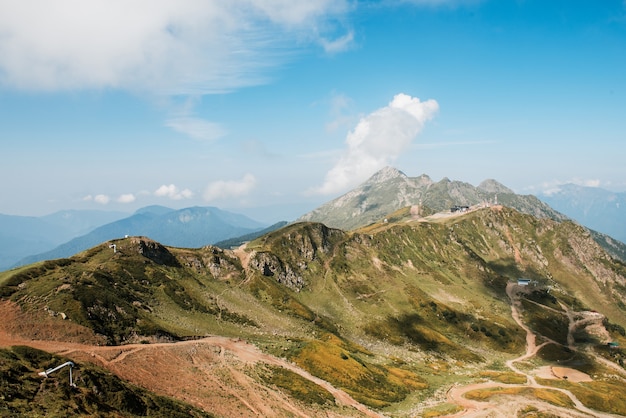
(213, 373)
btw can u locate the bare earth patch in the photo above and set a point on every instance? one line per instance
(214, 373)
(552, 372)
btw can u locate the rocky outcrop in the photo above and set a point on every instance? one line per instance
(271, 266)
(154, 251)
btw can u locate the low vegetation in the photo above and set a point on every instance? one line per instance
(348, 367)
(604, 396)
(96, 393)
(296, 386)
(551, 396)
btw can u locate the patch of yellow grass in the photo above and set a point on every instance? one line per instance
(338, 363)
(551, 396)
(504, 377)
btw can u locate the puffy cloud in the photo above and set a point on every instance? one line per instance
(126, 198)
(173, 192)
(377, 140)
(102, 199)
(229, 188)
(196, 128)
(182, 47)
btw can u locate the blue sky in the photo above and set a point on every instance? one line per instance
(273, 107)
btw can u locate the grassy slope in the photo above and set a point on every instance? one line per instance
(97, 392)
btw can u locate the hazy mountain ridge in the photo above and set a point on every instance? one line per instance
(21, 236)
(596, 208)
(189, 227)
(343, 306)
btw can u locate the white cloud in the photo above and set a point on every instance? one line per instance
(229, 188)
(173, 192)
(126, 198)
(341, 44)
(102, 199)
(377, 140)
(196, 128)
(160, 46)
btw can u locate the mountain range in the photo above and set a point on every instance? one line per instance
(189, 227)
(21, 236)
(24, 240)
(390, 189)
(596, 208)
(488, 311)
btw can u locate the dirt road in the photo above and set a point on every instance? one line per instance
(510, 405)
(213, 373)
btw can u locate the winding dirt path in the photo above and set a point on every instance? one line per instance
(471, 408)
(210, 373)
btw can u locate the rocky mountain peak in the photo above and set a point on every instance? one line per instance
(385, 174)
(492, 186)
(390, 189)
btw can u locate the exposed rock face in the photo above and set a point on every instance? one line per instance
(271, 266)
(294, 250)
(222, 264)
(154, 251)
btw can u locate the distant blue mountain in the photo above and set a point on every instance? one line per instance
(21, 236)
(190, 227)
(593, 207)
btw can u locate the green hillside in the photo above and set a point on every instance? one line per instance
(391, 313)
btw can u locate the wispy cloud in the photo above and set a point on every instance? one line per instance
(173, 192)
(377, 140)
(436, 3)
(341, 44)
(196, 128)
(158, 46)
(223, 189)
(340, 105)
(550, 188)
(445, 144)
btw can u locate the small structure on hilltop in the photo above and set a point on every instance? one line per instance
(523, 282)
(459, 208)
